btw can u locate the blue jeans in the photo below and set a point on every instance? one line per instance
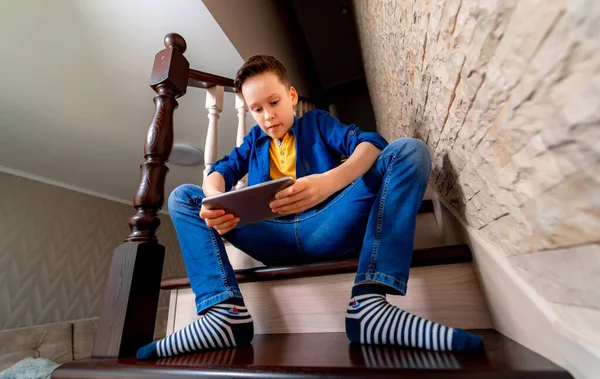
(374, 216)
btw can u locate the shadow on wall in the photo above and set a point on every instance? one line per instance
(445, 185)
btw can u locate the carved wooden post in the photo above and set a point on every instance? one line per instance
(131, 296)
(214, 106)
(240, 106)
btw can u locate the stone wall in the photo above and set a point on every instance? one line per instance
(506, 95)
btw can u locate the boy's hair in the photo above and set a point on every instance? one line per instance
(259, 64)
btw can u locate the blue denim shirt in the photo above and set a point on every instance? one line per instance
(321, 140)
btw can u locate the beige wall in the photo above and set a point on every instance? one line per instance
(55, 251)
(507, 96)
(263, 27)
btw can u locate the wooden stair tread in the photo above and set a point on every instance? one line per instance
(315, 355)
(421, 257)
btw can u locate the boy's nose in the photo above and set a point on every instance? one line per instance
(269, 115)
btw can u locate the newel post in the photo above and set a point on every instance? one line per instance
(131, 296)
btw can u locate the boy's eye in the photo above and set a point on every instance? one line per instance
(258, 110)
(274, 102)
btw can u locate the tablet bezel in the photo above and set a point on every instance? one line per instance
(260, 212)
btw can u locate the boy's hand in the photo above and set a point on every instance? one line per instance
(220, 220)
(305, 193)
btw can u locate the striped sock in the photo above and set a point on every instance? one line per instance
(224, 325)
(370, 319)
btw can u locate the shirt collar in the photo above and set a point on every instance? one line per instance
(294, 130)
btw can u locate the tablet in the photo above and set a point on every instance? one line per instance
(250, 204)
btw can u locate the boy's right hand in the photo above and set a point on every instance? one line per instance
(220, 220)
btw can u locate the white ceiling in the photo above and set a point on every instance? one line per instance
(75, 102)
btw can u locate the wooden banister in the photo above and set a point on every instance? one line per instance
(199, 79)
(131, 296)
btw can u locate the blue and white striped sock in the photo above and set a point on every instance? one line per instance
(224, 325)
(370, 319)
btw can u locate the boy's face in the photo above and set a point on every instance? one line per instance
(271, 103)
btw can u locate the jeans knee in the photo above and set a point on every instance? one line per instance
(185, 194)
(415, 153)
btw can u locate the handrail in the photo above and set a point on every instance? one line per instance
(201, 79)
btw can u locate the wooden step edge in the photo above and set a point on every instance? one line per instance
(426, 206)
(421, 257)
(318, 355)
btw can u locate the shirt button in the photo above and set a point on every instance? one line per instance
(282, 161)
(281, 153)
(352, 133)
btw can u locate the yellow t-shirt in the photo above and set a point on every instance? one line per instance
(282, 157)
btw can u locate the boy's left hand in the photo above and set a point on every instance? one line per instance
(307, 192)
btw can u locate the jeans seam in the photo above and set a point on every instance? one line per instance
(297, 236)
(367, 276)
(216, 247)
(380, 215)
(228, 291)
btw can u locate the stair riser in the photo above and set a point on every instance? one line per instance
(427, 235)
(448, 294)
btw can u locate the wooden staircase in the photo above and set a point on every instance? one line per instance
(330, 355)
(298, 310)
(301, 344)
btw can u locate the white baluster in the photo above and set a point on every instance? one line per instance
(242, 110)
(214, 106)
(333, 110)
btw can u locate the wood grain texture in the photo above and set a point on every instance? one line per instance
(447, 294)
(130, 300)
(199, 79)
(422, 257)
(171, 315)
(169, 80)
(330, 355)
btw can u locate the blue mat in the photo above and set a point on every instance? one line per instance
(30, 368)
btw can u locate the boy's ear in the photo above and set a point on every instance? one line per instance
(294, 96)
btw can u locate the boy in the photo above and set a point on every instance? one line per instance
(368, 204)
